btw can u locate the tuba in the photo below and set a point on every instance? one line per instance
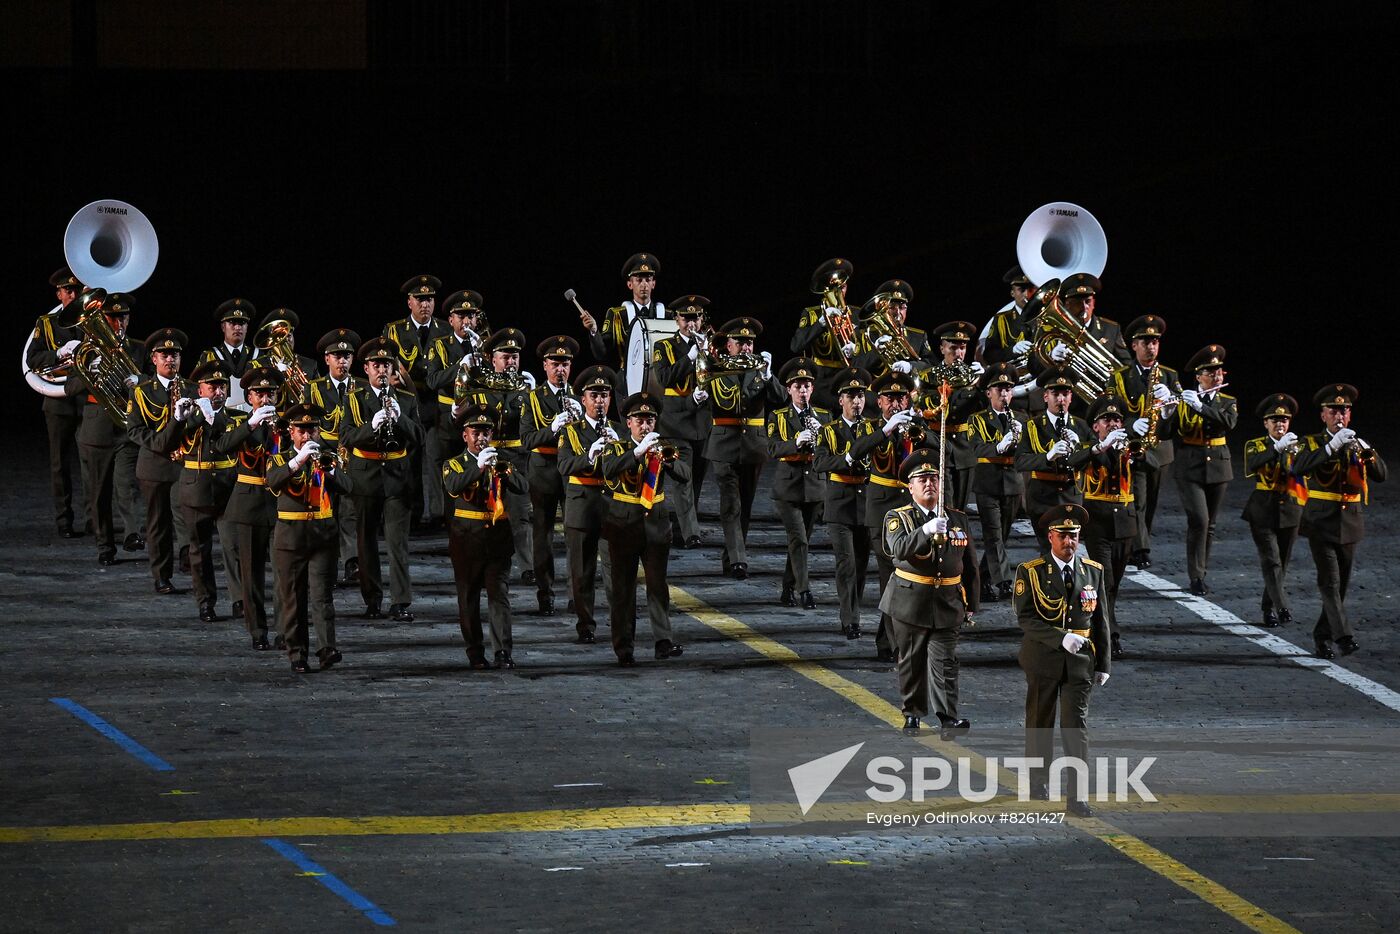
(275, 340)
(101, 355)
(1090, 365)
(1058, 240)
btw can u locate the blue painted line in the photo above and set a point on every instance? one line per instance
(323, 876)
(114, 734)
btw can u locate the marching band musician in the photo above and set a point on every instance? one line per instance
(844, 510)
(52, 344)
(305, 544)
(1275, 507)
(1107, 479)
(898, 294)
(585, 506)
(739, 401)
(479, 536)
(685, 416)
(337, 348)
(308, 366)
(953, 338)
(251, 514)
(636, 468)
(996, 483)
(107, 456)
(1051, 450)
(797, 487)
(380, 429)
(1146, 386)
(206, 483)
(1078, 296)
(1203, 418)
(157, 435)
(464, 317)
(815, 338)
(412, 339)
(884, 451)
(933, 590)
(233, 350)
(1339, 467)
(551, 405)
(1006, 335)
(504, 389)
(608, 339)
(1061, 614)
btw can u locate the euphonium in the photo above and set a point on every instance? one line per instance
(841, 325)
(275, 340)
(485, 378)
(1090, 365)
(881, 322)
(101, 356)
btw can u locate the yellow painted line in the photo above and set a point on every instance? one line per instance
(1243, 911)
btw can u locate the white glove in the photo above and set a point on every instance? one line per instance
(1116, 436)
(529, 378)
(1060, 352)
(1140, 427)
(805, 436)
(1057, 450)
(849, 349)
(976, 368)
(1286, 441)
(207, 408)
(132, 379)
(767, 363)
(902, 366)
(261, 414)
(902, 417)
(1073, 643)
(850, 461)
(282, 366)
(67, 349)
(700, 396)
(1192, 398)
(646, 444)
(938, 525)
(559, 422)
(1100, 678)
(311, 450)
(1007, 442)
(383, 414)
(883, 340)
(487, 458)
(183, 408)
(595, 449)
(94, 363)
(694, 350)
(1340, 440)
(1021, 346)
(1072, 438)
(1019, 391)
(829, 312)
(1161, 393)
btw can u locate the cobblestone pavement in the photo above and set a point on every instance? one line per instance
(403, 730)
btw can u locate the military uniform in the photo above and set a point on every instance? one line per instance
(1338, 478)
(739, 402)
(1051, 483)
(329, 395)
(1273, 510)
(585, 503)
(814, 339)
(638, 531)
(1133, 383)
(538, 436)
(1203, 469)
(797, 486)
(934, 588)
(304, 546)
(383, 479)
(1007, 328)
(1105, 331)
(411, 344)
(961, 453)
(869, 357)
(997, 485)
(234, 360)
(1107, 480)
(844, 509)
(204, 488)
(61, 413)
(157, 435)
(684, 421)
(1052, 602)
(444, 363)
(609, 342)
(479, 540)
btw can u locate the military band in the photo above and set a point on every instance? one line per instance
(585, 499)
(679, 367)
(847, 477)
(1204, 416)
(412, 339)
(798, 487)
(998, 487)
(51, 347)
(552, 405)
(1275, 505)
(329, 393)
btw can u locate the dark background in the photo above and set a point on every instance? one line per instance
(315, 155)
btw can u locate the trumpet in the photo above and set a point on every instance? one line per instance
(333, 458)
(669, 451)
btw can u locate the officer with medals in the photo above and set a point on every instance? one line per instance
(843, 509)
(308, 484)
(1203, 417)
(676, 367)
(1052, 449)
(206, 483)
(998, 486)
(1339, 466)
(797, 487)
(819, 335)
(411, 339)
(1274, 508)
(153, 429)
(637, 468)
(608, 338)
(1059, 607)
(1107, 480)
(933, 590)
(380, 430)
(1147, 388)
(550, 406)
(479, 535)
(328, 393)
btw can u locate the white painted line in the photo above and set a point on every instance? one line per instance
(684, 865)
(1281, 859)
(564, 869)
(1261, 637)
(581, 785)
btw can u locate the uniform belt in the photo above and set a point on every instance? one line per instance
(796, 459)
(846, 478)
(472, 514)
(1081, 633)
(543, 450)
(931, 581)
(1110, 497)
(678, 392)
(890, 482)
(1052, 477)
(250, 479)
(961, 427)
(1270, 488)
(1003, 461)
(326, 513)
(209, 465)
(380, 455)
(629, 498)
(586, 481)
(445, 400)
(740, 422)
(512, 443)
(1205, 442)
(1334, 497)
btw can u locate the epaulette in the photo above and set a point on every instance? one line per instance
(1092, 563)
(817, 408)
(1108, 321)
(1254, 444)
(1034, 563)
